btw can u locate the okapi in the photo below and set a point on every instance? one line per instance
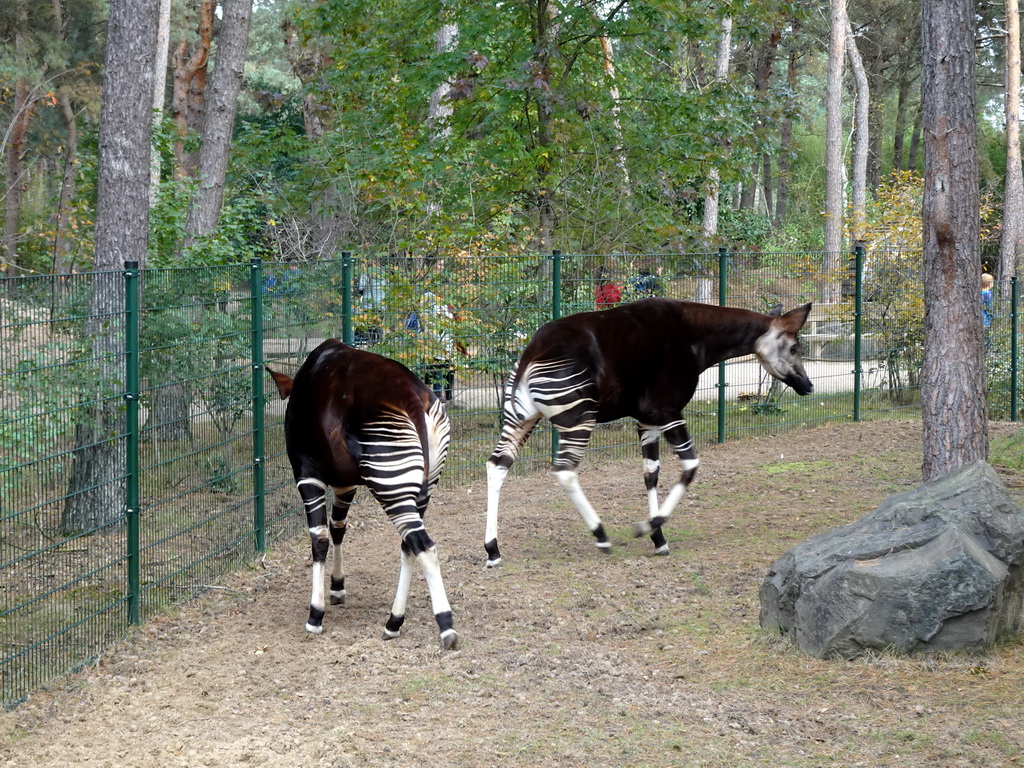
(356, 418)
(640, 360)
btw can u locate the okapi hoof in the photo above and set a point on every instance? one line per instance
(493, 563)
(390, 634)
(338, 599)
(662, 551)
(449, 639)
(605, 547)
(493, 555)
(315, 623)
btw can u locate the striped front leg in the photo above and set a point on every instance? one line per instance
(650, 439)
(679, 439)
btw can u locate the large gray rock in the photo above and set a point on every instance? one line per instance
(934, 569)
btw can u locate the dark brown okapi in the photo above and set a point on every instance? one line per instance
(642, 361)
(356, 418)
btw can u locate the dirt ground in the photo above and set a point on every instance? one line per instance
(567, 657)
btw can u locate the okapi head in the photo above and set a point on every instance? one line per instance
(778, 349)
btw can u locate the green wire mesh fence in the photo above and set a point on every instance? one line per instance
(141, 441)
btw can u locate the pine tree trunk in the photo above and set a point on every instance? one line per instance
(219, 123)
(785, 145)
(953, 374)
(188, 95)
(96, 493)
(61, 239)
(14, 184)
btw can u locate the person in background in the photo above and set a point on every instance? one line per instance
(647, 283)
(987, 283)
(607, 293)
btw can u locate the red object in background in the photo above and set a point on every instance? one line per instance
(607, 295)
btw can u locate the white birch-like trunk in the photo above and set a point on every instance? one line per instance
(861, 139)
(613, 91)
(709, 227)
(163, 41)
(1012, 241)
(834, 153)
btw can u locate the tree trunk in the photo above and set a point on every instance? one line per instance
(900, 127)
(764, 63)
(834, 153)
(219, 122)
(14, 183)
(543, 44)
(96, 496)
(608, 56)
(712, 188)
(915, 142)
(61, 239)
(1012, 242)
(875, 77)
(859, 173)
(159, 87)
(785, 146)
(439, 109)
(953, 373)
(189, 89)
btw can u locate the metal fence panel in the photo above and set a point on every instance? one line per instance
(141, 440)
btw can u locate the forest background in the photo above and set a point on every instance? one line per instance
(426, 127)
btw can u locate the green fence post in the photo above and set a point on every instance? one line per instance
(346, 298)
(556, 312)
(131, 395)
(723, 266)
(858, 328)
(259, 479)
(1013, 348)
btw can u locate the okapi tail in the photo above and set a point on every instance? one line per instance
(435, 434)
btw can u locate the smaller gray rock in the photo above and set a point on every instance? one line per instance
(938, 568)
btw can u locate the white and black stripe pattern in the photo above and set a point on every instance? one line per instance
(382, 428)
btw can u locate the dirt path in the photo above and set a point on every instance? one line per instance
(568, 658)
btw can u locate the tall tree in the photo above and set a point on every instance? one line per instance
(861, 140)
(1012, 242)
(96, 494)
(61, 238)
(15, 144)
(834, 148)
(953, 374)
(712, 186)
(189, 90)
(219, 121)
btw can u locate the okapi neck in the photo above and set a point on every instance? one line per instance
(724, 341)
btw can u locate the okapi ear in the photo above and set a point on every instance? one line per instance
(775, 311)
(284, 383)
(794, 320)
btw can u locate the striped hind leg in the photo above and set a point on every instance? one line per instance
(314, 499)
(339, 524)
(679, 439)
(394, 469)
(572, 444)
(520, 417)
(417, 546)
